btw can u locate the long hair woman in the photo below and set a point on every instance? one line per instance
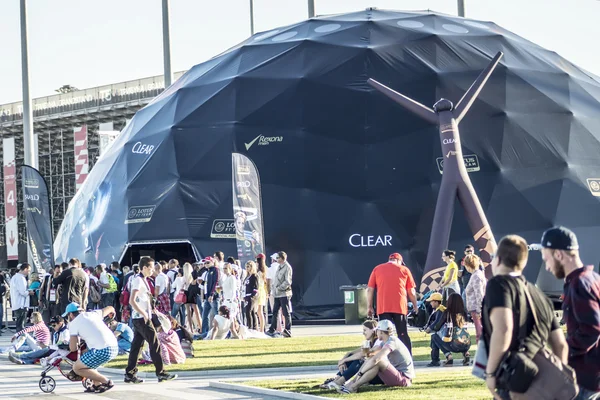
(192, 291)
(251, 295)
(261, 302)
(451, 338)
(475, 290)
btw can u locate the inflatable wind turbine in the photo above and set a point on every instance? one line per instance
(455, 179)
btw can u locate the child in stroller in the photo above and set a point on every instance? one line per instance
(64, 363)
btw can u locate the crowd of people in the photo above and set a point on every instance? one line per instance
(164, 305)
(158, 305)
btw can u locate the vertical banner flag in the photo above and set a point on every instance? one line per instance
(247, 208)
(10, 199)
(81, 156)
(36, 207)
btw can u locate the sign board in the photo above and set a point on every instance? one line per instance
(10, 199)
(223, 229)
(348, 297)
(471, 162)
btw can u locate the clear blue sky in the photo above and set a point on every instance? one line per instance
(88, 43)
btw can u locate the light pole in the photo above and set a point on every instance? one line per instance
(461, 8)
(251, 17)
(311, 8)
(166, 43)
(28, 138)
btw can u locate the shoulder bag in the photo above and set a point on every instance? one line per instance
(544, 376)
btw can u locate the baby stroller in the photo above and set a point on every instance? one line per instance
(423, 316)
(65, 367)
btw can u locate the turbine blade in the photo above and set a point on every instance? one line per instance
(470, 95)
(413, 106)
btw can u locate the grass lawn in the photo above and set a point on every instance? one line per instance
(293, 352)
(447, 384)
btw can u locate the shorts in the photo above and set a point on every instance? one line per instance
(94, 358)
(392, 377)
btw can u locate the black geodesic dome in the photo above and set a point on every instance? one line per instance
(348, 177)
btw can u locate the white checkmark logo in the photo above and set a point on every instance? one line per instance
(248, 145)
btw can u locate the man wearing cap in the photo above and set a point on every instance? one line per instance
(282, 293)
(394, 283)
(100, 341)
(271, 272)
(438, 309)
(393, 364)
(60, 341)
(581, 306)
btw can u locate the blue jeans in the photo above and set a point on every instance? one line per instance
(179, 309)
(585, 394)
(108, 299)
(30, 357)
(209, 309)
(437, 344)
(1, 314)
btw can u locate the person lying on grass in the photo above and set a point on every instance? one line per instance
(393, 364)
(351, 362)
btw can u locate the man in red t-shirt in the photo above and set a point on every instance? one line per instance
(394, 284)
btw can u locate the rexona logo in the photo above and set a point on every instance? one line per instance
(139, 214)
(264, 140)
(358, 240)
(142, 148)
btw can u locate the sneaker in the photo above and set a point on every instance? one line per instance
(166, 377)
(270, 333)
(105, 386)
(467, 359)
(434, 364)
(286, 334)
(333, 386)
(13, 358)
(44, 362)
(132, 379)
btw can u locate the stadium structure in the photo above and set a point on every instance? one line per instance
(56, 118)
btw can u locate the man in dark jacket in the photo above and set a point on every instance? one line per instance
(581, 307)
(75, 285)
(211, 302)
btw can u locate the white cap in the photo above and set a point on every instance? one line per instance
(385, 325)
(274, 256)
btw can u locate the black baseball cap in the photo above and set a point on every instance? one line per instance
(559, 238)
(56, 319)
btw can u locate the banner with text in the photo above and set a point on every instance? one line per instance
(36, 207)
(81, 155)
(10, 199)
(247, 208)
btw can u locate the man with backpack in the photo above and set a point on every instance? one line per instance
(108, 284)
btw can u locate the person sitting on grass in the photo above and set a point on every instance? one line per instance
(171, 351)
(59, 346)
(351, 362)
(458, 343)
(393, 364)
(123, 333)
(38, 329)
(221, 325)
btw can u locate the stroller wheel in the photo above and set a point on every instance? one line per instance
(47, 384)
(87, 383)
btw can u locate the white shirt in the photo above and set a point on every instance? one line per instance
(142, 299)
(203, 279)
(229, 287)
(224, 324)
(90, 327)
(172, 275)
(272, 271)
(161, 281)
(19, 295)
(178, 284)
(104, 280)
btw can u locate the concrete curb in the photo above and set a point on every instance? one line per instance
(255, 372)
(263, 391)
(226, 373)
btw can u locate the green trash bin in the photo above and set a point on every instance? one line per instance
(355, 304)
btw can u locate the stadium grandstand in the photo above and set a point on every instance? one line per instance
(57, 118)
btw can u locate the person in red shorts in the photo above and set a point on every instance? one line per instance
(394, 284)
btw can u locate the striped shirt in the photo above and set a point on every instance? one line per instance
(40, 330)
(581, 309)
